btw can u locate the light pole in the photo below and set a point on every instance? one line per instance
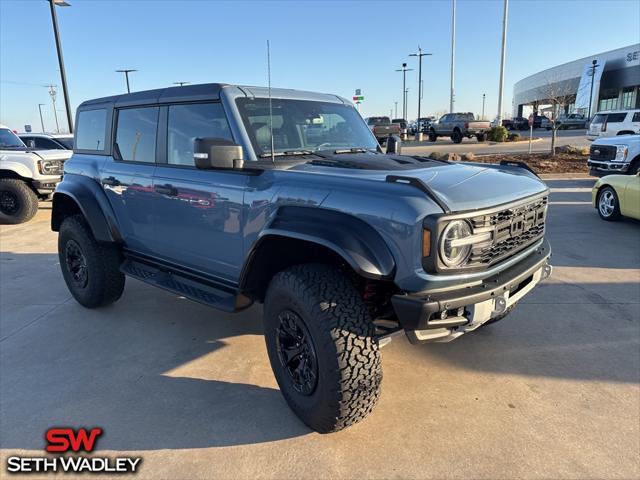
(502, 60)
(404, 71)
(180, 83)
(41, 120)
(453, 54)
(52, 93)
(419, 55)
(63, 76)
(483, 97)
(126, 72)
(396, 107)
(594, 65)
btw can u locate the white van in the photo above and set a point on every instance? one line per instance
(615, 122)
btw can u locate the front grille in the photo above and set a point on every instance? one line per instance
(513, 229)
(602, 152)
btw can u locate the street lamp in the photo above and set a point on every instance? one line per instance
(126, 74)
(502, 60)
(419, 55)
(41, 120)
(63, 76)
(404, 71)
(53, 93)
(483, 97)
(180, 83)
(594, 65)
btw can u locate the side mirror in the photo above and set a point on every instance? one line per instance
(31, 143)
(213, 153)
(394, 144)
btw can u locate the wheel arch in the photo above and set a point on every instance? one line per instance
(308, 235)
(81, 195)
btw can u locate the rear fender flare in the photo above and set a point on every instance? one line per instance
(92, 202)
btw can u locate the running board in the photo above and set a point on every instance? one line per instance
(180, 284)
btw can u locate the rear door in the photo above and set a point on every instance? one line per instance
(635, 122)
(127, 176)
(197, 213)
(613, 124)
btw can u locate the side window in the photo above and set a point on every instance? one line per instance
(616, 117)
(444, 118)
(188, 122)
(90, 130)
(636, 117)
(136, 134)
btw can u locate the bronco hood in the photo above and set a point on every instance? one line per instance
(52, 154)
(459, 185)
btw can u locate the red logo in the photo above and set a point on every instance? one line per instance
(65, 439)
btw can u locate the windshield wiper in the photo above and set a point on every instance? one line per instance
(290, 153)
(352, 150)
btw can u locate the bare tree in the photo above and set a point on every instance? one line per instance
(559, 94)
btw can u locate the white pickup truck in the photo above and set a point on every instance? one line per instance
(25, 177)
(615, 155)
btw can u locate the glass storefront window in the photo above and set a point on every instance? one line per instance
(629, 97)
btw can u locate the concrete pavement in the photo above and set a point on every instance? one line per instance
(551, 392)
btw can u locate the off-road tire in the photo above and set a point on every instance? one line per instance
(432, 136)
(18, 202)
(104, 282)
(501, 316)
(615, 212)
(349, 371)
(456, 136)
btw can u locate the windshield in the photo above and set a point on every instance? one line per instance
(8, 139)
(67, 142)
(300, 125)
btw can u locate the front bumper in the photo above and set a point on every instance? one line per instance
(606, 167)
(446, 314)
(46, 186)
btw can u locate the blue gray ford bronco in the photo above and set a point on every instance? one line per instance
(229, 195)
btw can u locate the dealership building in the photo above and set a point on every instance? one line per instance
(605, 81)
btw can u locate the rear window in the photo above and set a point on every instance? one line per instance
(91, 128)
(378, 120)
(600, 118)
(636, 117)
(616, 117)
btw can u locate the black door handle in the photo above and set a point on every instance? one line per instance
(166, 189)
(111, 181)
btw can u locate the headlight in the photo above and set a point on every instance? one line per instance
(454, 250)
(50, 167)
(621, 153)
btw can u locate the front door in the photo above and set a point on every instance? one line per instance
(198, 213)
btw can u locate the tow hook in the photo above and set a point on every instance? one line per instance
(547, 270)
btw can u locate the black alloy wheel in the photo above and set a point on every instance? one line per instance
(76, 264)
(296, 352)
(9, 204)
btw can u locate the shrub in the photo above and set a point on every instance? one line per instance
(435, 156)
(452, 157)
(514, 137)
(497, 134)
(468, 157)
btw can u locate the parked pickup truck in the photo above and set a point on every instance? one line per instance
(573, 120)
(215, 193)
(457, 126)
(615, 155)
(382, 127)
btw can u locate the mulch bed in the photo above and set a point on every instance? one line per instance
(544, 162)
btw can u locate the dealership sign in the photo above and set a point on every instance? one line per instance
(65, 441)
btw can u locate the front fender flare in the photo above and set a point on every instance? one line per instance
(92, 202)
(352, 239)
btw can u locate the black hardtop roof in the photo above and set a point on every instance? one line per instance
(204, 91)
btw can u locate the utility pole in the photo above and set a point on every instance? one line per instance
(126, 72)
(594, 65)
(396, 107)
(180, 83)
(453, 55)
(502, 60)
(404, 71)
(406, 101)
(41, 120)
(483, 97)
(419, 55)
(52, 93)
(63, 76)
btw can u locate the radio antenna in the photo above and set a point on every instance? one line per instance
(273, 161)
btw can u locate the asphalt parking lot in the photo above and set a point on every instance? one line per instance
(552, 392)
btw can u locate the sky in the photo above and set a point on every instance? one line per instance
(327, 46)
